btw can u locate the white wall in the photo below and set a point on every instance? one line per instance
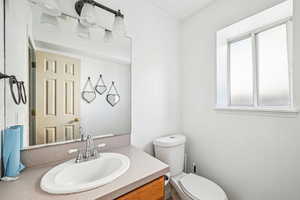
(253, 157)
(155, 71)
(98, 117)
(155, 74)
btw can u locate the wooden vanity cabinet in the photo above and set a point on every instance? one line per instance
(154, 190)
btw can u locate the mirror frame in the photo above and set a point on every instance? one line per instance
(2, 82)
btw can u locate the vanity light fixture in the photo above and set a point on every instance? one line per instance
(50, 7)
(88, 15)
(51, 12)
(119, 25)
(49, 20)
(108, 36)
(82, 31)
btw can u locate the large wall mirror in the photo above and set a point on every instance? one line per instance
(76, 72)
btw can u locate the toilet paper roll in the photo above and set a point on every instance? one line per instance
(167, 178)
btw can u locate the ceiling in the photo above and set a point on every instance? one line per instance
(181, 9)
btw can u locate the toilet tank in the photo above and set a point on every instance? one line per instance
(170, 150)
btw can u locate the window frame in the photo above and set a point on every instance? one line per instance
(253, 36)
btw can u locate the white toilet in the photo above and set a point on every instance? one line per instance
(170, 150)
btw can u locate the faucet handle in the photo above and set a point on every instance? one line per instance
(96, 152)
(101, 145)
(90, 142)
(71, 151)
(83, 134)
(82, 137)
(79, 156)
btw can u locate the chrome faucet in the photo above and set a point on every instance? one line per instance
(89, 152)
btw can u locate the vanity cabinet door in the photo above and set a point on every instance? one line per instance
(152, 191)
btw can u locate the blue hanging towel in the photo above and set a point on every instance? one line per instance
(12, 144)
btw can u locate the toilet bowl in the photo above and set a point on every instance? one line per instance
(170, 150)
(194, 187)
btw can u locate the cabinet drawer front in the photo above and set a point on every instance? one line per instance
(152, 191)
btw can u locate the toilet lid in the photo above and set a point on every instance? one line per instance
(200, 188)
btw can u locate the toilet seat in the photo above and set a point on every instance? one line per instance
(200, 188)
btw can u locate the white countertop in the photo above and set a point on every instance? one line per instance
(143, 169)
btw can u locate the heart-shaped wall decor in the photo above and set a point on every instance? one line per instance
(100, 86)
(100, 89)
(88, 94)
(113, 99)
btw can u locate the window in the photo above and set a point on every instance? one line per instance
(241, 72)
(259, 68)
(254, 62)
(273, 67)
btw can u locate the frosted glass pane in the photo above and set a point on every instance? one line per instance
(241, 73)
(273, 73)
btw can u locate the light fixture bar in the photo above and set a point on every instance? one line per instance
(79, 4)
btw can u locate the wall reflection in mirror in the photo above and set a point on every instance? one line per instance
(76, 70)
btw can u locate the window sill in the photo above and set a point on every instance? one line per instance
(272, 111)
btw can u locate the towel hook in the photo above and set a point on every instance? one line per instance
(21, 91)
(12, 81)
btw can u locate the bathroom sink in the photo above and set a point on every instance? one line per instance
(71, 177)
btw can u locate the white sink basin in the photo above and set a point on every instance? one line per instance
(71, 177)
